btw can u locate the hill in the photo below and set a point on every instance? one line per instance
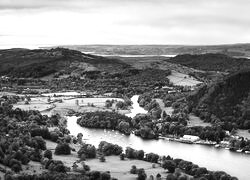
(211, 62)
(227, 101)
(236, 50)
(43, 62)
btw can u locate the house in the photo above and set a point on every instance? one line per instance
(190, 138)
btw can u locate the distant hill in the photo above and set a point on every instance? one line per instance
(211, 62)
(234, 50)
(43, 62)
(227, 101)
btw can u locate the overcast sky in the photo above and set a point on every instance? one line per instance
(56, 22)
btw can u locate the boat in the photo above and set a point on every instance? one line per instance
(217, 145)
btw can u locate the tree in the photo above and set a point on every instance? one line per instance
(48, 154)
(141, 174)
(79, 137)
(140, 154)
(102, 158)
(122, 156)
(164, 114)
(88, 150)
(105, 176)
(16, 167)
(158, 176)
(62, 148)
(133, 170)
(171, 177)
(169, 165)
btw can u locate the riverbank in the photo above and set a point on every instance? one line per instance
(63, 105)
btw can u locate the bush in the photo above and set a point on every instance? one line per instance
(169, 165)
(44, 132)
(105, 176)
(102, 159)
(57, 166)
(39, 142)
(171, 177)
(16, 168)
(67, 139)
(88, 150)
(94, 175)
(141, 174)
(151, 157)
(54, 136)
(63, 148)
(109, 148)
(15, 165)
(122, 156)
(133, 170)
(48, 154)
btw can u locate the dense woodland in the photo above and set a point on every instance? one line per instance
(226, 102)
(211, 62)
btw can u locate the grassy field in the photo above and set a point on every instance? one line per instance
(196, 121)
(243, 133)
(120, 169)
(168, 110)
(181, 79)
(69, 103)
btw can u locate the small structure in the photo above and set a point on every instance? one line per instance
(190, 138)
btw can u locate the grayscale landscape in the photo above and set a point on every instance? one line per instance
(130, 90)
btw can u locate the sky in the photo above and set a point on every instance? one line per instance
(31, 23)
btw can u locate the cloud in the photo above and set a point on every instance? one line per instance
(125, 21)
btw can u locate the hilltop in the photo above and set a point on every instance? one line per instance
(43, 62)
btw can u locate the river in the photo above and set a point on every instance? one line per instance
(236, 164)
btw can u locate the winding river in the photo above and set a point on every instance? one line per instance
(236, 164)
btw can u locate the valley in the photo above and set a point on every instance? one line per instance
(154, 103)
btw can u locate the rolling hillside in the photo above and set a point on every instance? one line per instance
(211, 62)
(42, 62)
(227, 101)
